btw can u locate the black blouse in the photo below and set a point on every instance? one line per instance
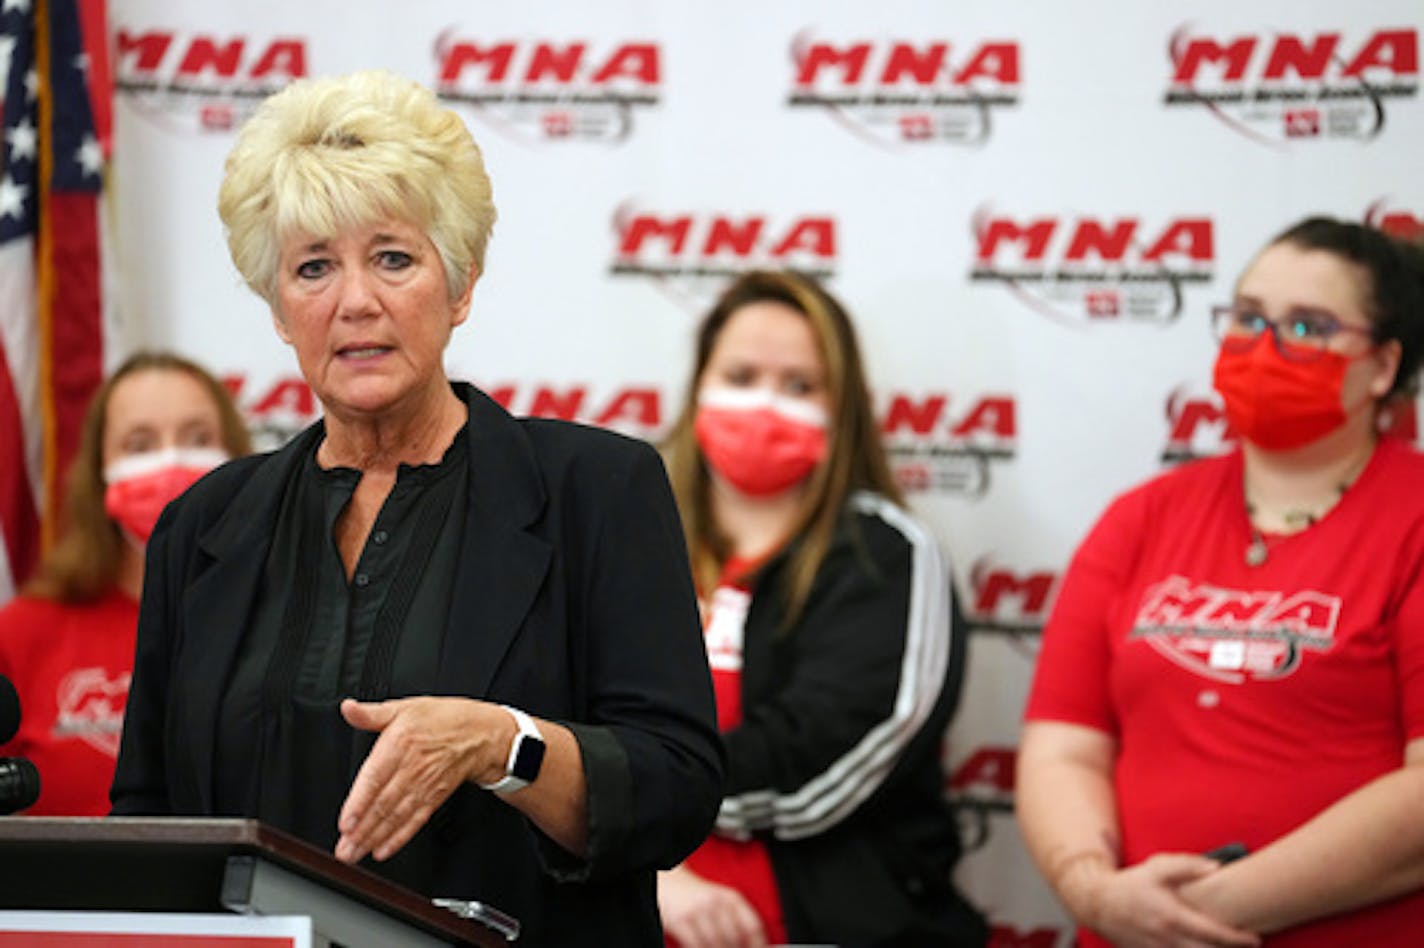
(316, 638)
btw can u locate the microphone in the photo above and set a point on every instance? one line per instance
(9, 710)
(19, 779)
(19, 784)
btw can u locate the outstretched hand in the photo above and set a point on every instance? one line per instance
(427, 747)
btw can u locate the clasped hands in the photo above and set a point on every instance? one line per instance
(1143, 906)
(428, 747)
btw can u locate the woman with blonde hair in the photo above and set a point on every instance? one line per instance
(156, 425)
(833, 639)
(424, 632)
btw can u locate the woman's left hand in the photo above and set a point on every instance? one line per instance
(427, 747)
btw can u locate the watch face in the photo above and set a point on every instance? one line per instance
(528, 759)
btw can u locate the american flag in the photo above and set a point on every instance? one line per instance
(52, 161)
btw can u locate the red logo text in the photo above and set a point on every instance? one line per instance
(936, 444)
(157, 55)
(546, 63)
(720, 245)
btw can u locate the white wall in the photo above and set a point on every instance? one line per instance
(1020, 413)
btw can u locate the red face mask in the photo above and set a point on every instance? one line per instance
(1276, 403)
(759, 442)
(141, 485)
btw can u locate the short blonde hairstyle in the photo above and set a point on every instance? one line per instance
(327, 155)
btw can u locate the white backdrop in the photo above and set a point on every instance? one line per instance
(1027, 207)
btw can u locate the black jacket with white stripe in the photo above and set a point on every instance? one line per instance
(837, 762)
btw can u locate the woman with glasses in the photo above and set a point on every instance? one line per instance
(1225, 737)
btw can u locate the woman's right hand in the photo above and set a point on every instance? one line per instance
(1141, 906)
(697, 913)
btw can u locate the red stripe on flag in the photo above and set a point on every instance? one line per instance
(17, 500)
(68, 262)
(94, 25)
(76, 322)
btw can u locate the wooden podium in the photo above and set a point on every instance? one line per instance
(131, 864)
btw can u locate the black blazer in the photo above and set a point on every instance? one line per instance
(572, 600)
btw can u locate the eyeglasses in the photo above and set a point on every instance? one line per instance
(1302, 336)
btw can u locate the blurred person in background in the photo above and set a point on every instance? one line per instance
(424, 633)
(155, 426)
(834, 640)
(1235, 662)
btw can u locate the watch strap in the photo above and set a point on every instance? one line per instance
(527, 730)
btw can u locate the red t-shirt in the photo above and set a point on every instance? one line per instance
(1245, 700)
(744, 865)
(71, 666)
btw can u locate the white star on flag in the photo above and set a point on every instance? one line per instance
(12, 198)
(23, 140)
(90, 156)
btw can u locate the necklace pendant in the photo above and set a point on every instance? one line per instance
(1256, 552)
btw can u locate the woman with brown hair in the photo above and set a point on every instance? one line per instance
(833, 638)
(1225, 736)
(156, 425)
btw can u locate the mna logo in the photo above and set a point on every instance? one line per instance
(1397, 222)
(633, 410)
(691, 254)
(1088, 269)
(1196, 426)
(1283, 87)
(275, 413)
(935, 450)
(279, 411)
(980, 787)
(542, 91)
(897, 92)
(1009, 603)
(1234, 634)
(201, 81)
